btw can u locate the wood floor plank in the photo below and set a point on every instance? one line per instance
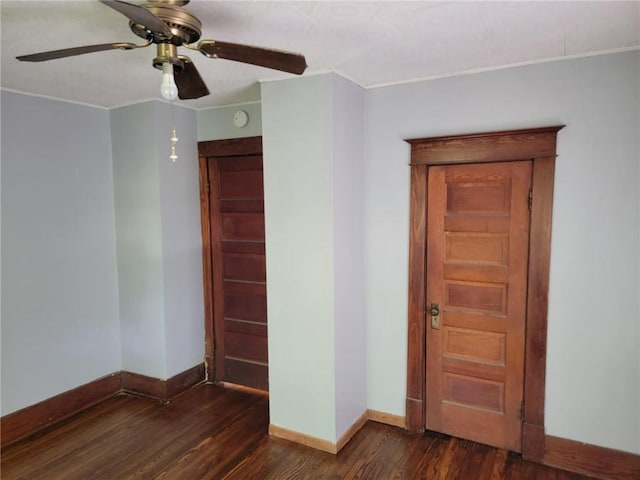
(215, 455)
(499, 462)
(177, 440)
(47, 455)
(216, 433)
(475, 463)
(273, 458)
(378, 444)
(440, 460)
(428, 455)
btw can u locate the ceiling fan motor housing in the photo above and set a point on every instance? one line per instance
(168, 53)
(185, 27)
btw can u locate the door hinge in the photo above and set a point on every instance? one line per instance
(209, 189)
(530, 198)
(522, 410)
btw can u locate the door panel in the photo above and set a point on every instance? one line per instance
(240, 184)
(244, 267)
(477, 244)
(240, 301)
(248, 307)
(245, 346)
(243, 226)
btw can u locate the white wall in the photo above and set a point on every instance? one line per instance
(59, 282)
(348, 247)
(181, 240)
(158, 240)
(593, 358)
(217, 123)
(299, 252)
(139, 239)
(63, 322)
(313, 161)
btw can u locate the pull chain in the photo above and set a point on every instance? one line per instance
(174, 136)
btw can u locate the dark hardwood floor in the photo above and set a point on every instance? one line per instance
(212, 432)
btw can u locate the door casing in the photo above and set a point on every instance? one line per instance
(215, 148)
(539, 146)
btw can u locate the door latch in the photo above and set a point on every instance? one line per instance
(435, 316)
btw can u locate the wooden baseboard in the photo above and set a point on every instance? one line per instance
(415, 415)
(32, 419)
(185, 380)
(387, 418)
(352, 430)
(29, 420)
(326, 445)
(319, 443)
(243, 388)
(303, 439)
(533, 439)
(592, 460)
(162, 390)
(144, 386)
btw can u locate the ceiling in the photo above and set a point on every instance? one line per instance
(370, 43)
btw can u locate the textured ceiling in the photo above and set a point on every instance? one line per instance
(371, 43)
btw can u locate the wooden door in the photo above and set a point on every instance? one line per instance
(236, 208)
(477, 256)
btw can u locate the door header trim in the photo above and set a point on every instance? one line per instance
(485, 147)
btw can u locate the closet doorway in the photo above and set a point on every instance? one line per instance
(233, 242)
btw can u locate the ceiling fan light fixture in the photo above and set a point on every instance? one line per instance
(168, 87)
(168, 25)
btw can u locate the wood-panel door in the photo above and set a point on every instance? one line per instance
(477, 257)
(236, 208)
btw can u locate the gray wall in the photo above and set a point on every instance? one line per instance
(60, 324)
(63, 321)
(348, 103)
(159, 245)
(181, 241)
(313, 174)
(139, 239)
(297, 128)
(593, 362)
(217, 123)
(59, 281)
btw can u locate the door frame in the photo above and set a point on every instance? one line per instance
(208, 149)
(537, 145)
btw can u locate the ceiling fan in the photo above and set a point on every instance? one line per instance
(168, 25)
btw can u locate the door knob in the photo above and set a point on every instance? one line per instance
(435, 316)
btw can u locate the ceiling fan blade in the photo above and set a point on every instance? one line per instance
(139, 15)
(189, 82)
(70, 52)
(264, 57)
